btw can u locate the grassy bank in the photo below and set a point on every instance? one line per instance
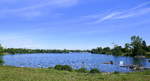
(8, 73)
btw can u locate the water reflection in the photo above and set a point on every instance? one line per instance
(138, 61)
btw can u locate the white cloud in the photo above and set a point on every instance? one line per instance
(133, 13)
(139, 10)
(41, 3)
(106, 17)
(35, 7)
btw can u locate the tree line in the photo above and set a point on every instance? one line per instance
(23, 50)
(137, 47)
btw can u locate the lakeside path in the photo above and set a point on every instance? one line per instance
(8, 73)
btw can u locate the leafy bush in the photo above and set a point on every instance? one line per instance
(58, 67)
(1, 62)
(50, 68)
(67, 68)
(82, 70)
(94, 70)
(116, 72)
(63, 67)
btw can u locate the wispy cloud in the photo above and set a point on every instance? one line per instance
(139, 10)
(133, 13)
(107, 17)
(35, 9)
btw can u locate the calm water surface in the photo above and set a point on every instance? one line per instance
(76, 60)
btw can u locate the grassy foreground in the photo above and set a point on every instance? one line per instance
(8, 73)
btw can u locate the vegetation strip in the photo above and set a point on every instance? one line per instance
(137, 47)
(8, 73)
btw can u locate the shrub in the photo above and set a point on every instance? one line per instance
(1, 62)
(50, 67)
(116, 72)
(82, 70)
(67, 68)
(58, 67)
(94, 70)
(63, 67)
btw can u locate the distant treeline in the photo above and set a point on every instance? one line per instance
(21, 51)
(137, 47)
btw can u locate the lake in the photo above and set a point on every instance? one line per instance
(76, 60)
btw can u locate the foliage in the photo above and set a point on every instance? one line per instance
(63, 67)
(82, 70)
(94, 70)
(145, 47)
(58, 67)
(50, 68)
(137, 47)
(100, 50)
(22, 51)
(1, 60)
(116, 72)
(117, 50)
(148, 48)
(1, 49)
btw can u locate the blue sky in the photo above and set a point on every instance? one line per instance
(72, 24)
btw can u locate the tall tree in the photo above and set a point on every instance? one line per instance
(106, 50)
(117, 50)
(137, 46)
(1, 49)
(145, 45)
(127, 49)
(1, 60)
(148, 48)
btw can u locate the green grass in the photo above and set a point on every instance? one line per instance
(148, 53)
(8, 73)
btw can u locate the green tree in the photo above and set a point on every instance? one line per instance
(148, 48)
(1, 49)
(106, 50)
(1, 60)
(145, 45)
(127, 49)
(117, 50)
(137, 46)
(98, 50)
